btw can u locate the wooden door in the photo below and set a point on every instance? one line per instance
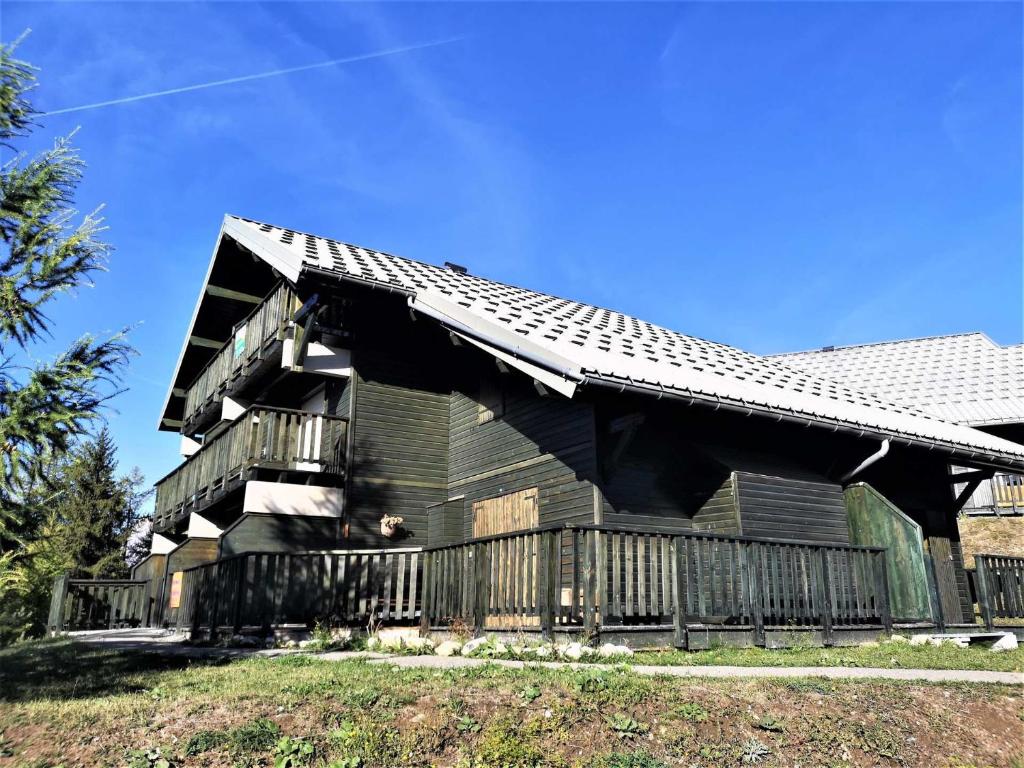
(504, 514)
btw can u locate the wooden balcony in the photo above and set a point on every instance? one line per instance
(262, 437)
(1008, 492)
(251, 343)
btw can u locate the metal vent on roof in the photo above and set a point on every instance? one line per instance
(456, 268)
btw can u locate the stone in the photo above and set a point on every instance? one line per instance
(473, 645)
(1008, 642)
(543, 651)
(417, 643)
(920, 640)
(448, 648)
(500, 649)
(898, 639)
(870, 644)
(610, 649)
(574, 651)
(305, 643)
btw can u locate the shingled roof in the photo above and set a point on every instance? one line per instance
(965, 377)
(567, 345)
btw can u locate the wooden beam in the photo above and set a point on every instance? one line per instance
(176, 423)
(966, 493)
(199, 341)
(501, 365)
(541, 389)
(629, 421)
(177, 392)
(226, 293)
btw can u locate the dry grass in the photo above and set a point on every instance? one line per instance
(991, 536)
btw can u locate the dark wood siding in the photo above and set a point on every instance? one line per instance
(280, 533)
(445, 523)
(785, 508)
(542, 442)
(399, 456)
(192, 552)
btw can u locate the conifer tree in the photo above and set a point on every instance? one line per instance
(46, 249)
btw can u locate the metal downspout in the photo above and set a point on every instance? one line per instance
(876, 456)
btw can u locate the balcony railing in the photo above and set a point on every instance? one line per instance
(1008, 491)
(273, 438)
(248, 343)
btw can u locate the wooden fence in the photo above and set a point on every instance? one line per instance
(999, 582)
(262, 589)
(79, 604)
(600, 578)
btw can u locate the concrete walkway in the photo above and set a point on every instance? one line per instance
(158, 641)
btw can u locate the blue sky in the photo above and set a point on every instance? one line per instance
(774, 176)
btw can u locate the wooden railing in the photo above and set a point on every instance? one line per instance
(1008, 491)
(266, 589)
(276, 438)
(602, 578)
(248, 341)
(81, 604)
(1000, 585)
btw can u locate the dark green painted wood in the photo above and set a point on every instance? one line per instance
(280, 533)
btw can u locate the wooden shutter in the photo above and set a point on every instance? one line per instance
(505, 514)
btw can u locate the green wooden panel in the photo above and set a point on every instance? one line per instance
(875, 521)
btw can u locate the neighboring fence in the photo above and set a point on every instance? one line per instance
(999, 582)
(602, 578)
(79, 604)
(260, 589)
(1008, 492)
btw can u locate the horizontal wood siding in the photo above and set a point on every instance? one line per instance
(444, 522)
(541, 442)
(781, 507)
(192, 552)
(400, 445)
(280, 533)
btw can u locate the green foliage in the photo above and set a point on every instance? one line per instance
(755, 752)
(530, 693)
(292, 752)
(259, 735)
(691, 711)
(46, 250)
(625, 727)
(504, 745)
(148, 758)
(769, 723)
(204, 741)
(467, 724)
(640, 759)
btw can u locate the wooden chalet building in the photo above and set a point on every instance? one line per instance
(964, 377)
(556, 466)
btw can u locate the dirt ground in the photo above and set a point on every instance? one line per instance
(991, 535)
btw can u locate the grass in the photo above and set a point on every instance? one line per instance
(77, 705)
(886, 655)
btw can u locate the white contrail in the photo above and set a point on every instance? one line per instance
(259, 76)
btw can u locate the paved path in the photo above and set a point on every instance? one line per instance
(841, 673)
(157, 641)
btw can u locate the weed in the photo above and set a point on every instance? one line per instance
(755, 751)
(204, 741)
(467, 724)
(148, 758)
(292, 752)
(626, 727)
(505, 745)
(690, 711)
(641, 759)
(769, 723)
(259, 735)
(530, 694)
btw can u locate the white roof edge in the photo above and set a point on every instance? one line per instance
(192, 322)
(825, 349)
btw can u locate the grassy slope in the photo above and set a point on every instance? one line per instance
(78, 706)
(885, 655)
(991, 535)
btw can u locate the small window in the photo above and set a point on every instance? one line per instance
(491, 402)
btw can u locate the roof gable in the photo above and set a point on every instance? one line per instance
(577, 344)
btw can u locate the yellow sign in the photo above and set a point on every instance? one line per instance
(176, 578)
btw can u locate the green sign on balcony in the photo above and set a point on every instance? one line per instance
(240, 342)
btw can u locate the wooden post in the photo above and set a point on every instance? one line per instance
(981, 573)
(933, 590)
(57, 601)
(590, 540)
(547, 602)
(882, 581)
(425, 600)
(825, 609)
(242, 564)
(681, 636)
(755, 585)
